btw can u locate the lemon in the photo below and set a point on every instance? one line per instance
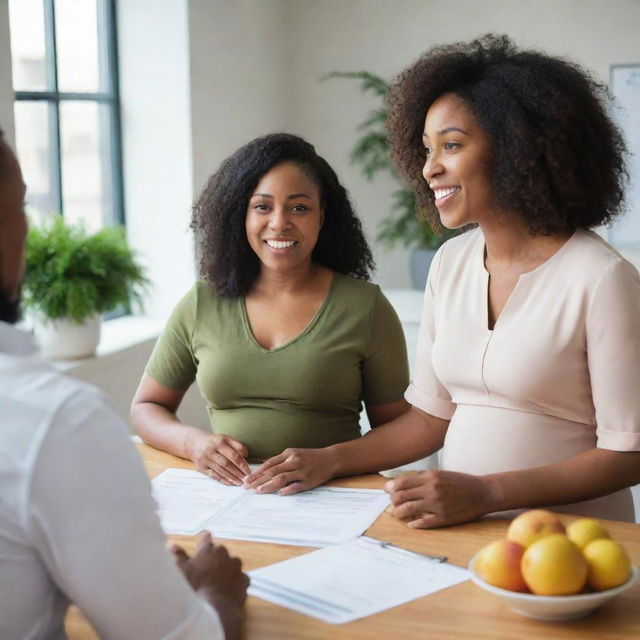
(554, 566)
(609, 564)
(585, 530)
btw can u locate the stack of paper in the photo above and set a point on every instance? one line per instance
(349, 581)
(189, 502)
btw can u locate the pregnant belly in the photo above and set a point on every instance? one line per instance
(484, 439)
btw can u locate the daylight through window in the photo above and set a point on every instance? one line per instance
(67, 121)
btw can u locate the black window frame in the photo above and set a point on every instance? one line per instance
(108, 48)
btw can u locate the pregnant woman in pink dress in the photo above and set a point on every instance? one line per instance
(527, 376)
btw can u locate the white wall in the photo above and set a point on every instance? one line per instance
(6, 87)
(206, 78)
(384, 36)
(157, 154)
(239, 76)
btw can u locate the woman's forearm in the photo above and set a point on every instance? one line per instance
(160, 428)
(411, 436)
(588, 475)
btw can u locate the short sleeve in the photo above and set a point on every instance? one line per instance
(426, 392)
(172, 362)
(385, 370)
(613, 353)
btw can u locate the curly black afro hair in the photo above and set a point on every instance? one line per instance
(227, 261)
(558, 159)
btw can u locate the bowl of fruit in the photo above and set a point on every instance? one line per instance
(546, 571)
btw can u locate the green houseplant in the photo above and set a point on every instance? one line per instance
(72, 278)
(371, 153)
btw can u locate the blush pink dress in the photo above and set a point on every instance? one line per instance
(559, 373)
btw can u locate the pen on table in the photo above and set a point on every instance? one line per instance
(389, 545)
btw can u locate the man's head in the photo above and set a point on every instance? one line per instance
(13, 231)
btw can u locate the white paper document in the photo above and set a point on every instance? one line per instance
(187, 499)
(189, 502)
(349, 581)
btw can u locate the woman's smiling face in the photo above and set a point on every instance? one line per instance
(458, 163)
(284, 217)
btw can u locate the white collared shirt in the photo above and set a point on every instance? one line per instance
(77, 521)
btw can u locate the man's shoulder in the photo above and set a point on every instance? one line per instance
(35, 398)
(36, 384)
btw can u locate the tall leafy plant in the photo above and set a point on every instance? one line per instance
(73, 275)
(370, 152)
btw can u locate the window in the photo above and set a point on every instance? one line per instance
(67, 118)
(625, 85)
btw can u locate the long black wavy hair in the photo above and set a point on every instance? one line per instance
(227, 261)
(558, 158)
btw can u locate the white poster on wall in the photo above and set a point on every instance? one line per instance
(625, 85)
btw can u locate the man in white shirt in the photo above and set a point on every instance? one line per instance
(77, 521)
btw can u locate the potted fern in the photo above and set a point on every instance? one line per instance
(71, 279)
(371, 153)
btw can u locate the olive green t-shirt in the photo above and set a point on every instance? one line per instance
(306, 393)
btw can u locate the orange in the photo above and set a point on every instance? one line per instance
(532, 525)
(554, 566)
(498, 563)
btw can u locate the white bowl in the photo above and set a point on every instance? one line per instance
(553, 607)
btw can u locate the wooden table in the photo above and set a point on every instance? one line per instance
(463, 611)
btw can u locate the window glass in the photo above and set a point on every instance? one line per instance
(35, 150)
(86, 163)
(625, 85)
(77, 46)
(66, 109)
(28, 45)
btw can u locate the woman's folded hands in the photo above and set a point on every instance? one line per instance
(292, 471)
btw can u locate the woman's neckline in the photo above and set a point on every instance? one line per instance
(541, 267)
(314, 320)
(552, 259)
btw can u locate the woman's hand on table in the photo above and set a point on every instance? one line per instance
(220, 457)
(438, 498)
(292, 471)
(218, 578)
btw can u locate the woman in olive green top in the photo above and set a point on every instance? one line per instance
(283, 334)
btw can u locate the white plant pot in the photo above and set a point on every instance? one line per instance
(67, 340)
